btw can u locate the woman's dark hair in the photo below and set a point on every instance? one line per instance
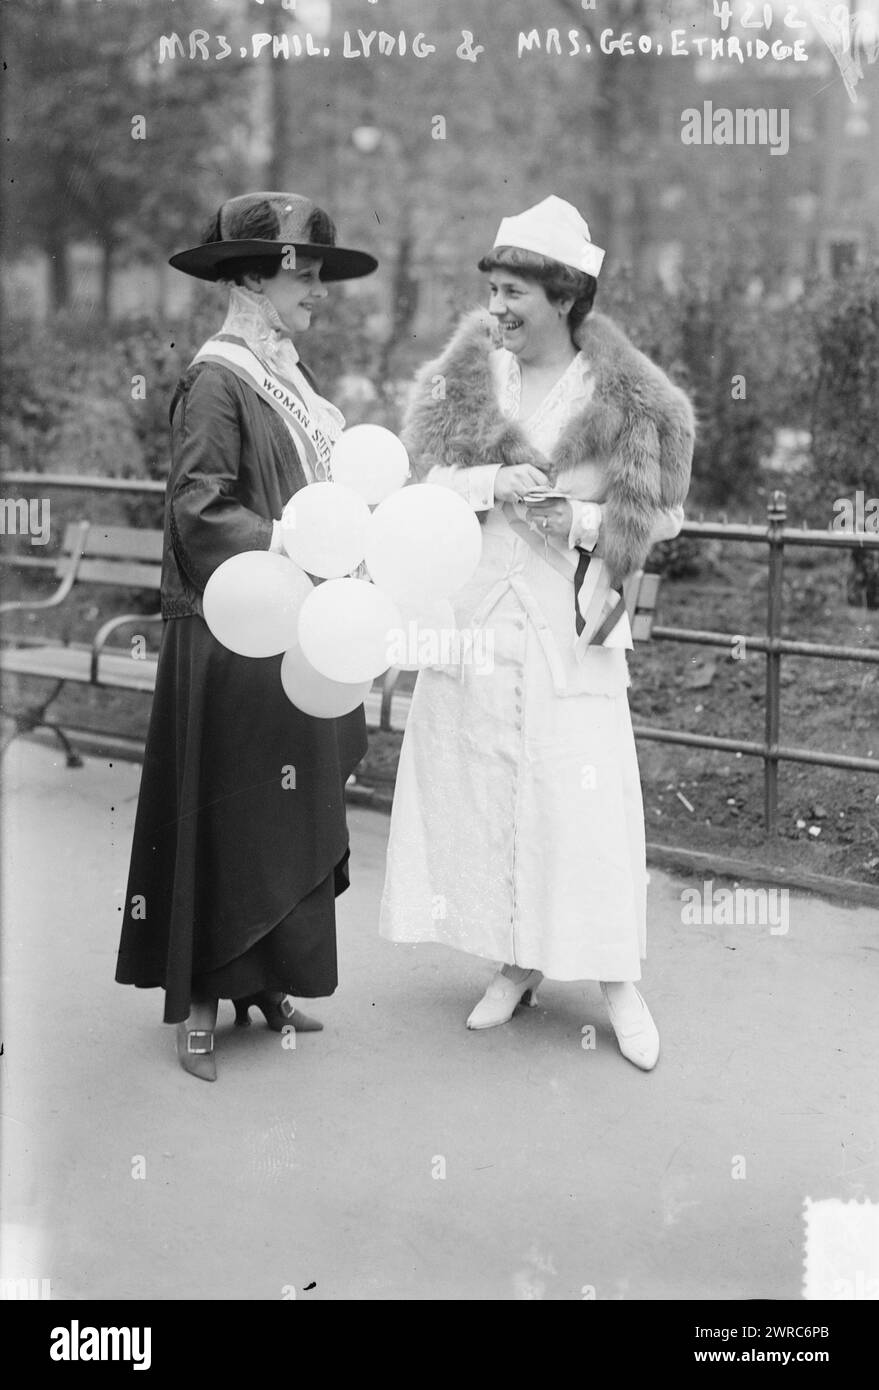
(558, 281)
(260, 222)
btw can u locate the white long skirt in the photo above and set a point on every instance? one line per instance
(517, 830)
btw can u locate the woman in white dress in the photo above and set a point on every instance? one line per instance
(517, 831)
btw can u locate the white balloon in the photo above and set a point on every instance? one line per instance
(423, 544)
(323, 528)
(344, 629)
(251, 602)
(371, 460)
(427, 637)
(313, 693)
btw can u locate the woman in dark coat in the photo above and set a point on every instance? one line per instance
(240, 841)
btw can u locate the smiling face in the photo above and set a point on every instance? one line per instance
(531, 326)
(294, 293)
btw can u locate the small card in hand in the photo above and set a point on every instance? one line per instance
(549, 496)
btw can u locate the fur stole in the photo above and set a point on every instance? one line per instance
(638, 425)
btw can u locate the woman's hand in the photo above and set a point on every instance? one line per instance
(554, 518)
(512, 481)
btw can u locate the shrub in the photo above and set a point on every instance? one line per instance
(844, 392)
(72, 403)
(811, 364)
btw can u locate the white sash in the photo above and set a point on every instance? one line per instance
(281, 395)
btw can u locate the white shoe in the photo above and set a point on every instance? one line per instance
(501, 999)
(638, 1040)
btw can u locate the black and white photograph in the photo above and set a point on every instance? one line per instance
(439, 643)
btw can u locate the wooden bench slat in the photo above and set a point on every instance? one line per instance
(117, 669)
(44, 661)
(117, 542)
(22, 561)
(121, 669)
(123, 573)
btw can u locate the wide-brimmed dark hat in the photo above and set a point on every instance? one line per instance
(293, 214)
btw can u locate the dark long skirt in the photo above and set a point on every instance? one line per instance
(240, 839)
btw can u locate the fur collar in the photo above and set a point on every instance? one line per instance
(637, 424)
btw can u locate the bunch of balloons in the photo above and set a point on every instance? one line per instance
(419, 545)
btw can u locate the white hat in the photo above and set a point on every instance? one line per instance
(555, 229)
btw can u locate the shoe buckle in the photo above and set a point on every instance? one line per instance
(199, 1033)
(287, 1008)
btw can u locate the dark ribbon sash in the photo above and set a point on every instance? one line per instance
(608, 624)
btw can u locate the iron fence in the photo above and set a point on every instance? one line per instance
(775, 534)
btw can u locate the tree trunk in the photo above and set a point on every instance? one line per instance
(643, 120)
(641, 231)
(107, 249)
(58, 254)
(405, 300)
(279, 137)
(603, 191)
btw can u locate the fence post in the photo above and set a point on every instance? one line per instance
(776, 515)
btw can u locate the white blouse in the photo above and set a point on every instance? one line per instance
(569, 396)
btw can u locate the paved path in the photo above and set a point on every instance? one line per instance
(314, 1169)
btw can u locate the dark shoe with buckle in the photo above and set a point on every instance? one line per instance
(195, 1049)
(278, 1011)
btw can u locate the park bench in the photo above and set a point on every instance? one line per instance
(131, 558)
(118, 556)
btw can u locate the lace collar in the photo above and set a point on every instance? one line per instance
(569, 396)
(254, 318)
(572, 386)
